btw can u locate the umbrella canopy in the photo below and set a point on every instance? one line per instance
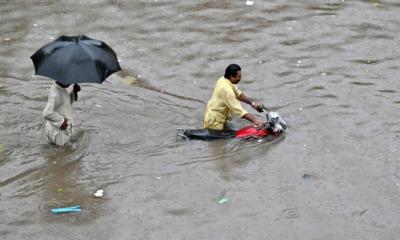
(76, 59)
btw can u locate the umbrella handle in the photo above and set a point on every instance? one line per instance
(76, 89)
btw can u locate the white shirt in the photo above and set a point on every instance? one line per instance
(59, 106)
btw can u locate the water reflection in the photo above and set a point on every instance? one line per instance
(63, 181)
(231, 156)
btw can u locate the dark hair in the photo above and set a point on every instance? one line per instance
(232, 70)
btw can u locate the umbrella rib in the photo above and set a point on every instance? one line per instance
(71, 53)
(93, 63)
(79, 50)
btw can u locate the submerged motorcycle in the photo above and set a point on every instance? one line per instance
(275, 126)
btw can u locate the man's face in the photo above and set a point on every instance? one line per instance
(236, 79)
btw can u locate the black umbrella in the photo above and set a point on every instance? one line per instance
(76, 59)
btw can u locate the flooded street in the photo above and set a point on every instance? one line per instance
(329, 67)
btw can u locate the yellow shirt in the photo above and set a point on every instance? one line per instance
(223, 105)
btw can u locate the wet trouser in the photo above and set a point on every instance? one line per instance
(57, 136)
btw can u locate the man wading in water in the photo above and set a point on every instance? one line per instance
(224, 103)
(58, 113)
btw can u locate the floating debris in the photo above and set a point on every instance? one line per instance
(223, 199)
(378, 3)
(249, 2)
(310, 176)
(75, 208)
(7, 40)
(60, 190)
(307, 176)
(130, 80)
(2, 148)
(99, 193)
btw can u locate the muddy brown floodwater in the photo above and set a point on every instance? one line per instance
(329, 67)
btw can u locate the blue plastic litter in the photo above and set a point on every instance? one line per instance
(76, 208)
